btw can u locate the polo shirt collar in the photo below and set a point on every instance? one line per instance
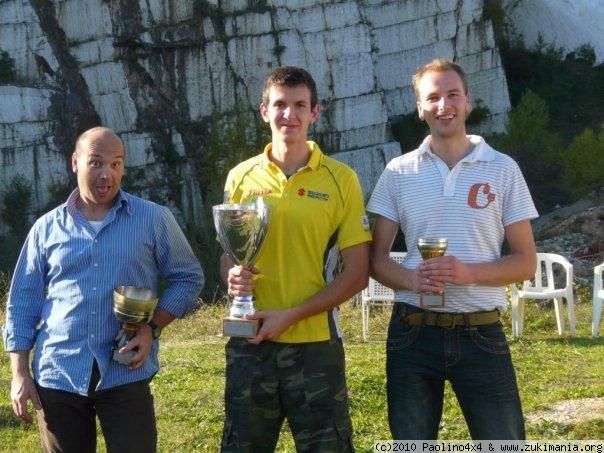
(481, 152)
(313, 162)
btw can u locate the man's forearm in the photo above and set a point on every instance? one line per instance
(19, 362)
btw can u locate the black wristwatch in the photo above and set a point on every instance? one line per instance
(155, 330)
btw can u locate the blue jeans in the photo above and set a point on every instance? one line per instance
(477, 362)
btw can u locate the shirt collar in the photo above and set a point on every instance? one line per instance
(313, 162)
(481, 152)
(123, 200)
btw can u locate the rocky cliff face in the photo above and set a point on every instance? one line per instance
(563, 23)
(168, 75)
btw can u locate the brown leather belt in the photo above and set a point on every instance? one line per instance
(452, 319)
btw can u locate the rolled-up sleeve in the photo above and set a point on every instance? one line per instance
(26, 296)
(179, 266)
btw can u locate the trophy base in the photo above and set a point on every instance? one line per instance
(124, 358)
(241, 328)
(431, 300)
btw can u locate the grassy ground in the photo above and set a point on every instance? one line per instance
(189, 388)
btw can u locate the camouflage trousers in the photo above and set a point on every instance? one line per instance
(304, 383)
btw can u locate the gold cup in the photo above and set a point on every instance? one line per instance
(432, 248)
(133, 307)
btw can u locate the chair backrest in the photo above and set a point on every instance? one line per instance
(598, 270)
(375, 290)
(544, 272)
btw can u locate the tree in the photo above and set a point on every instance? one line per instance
(7, 67)
(16, 206)
(584, 162)
(536, 149)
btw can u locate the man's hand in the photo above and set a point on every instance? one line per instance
(241, 280)
(143, 340)
(435, 272)
(22, 390)
(274, 323)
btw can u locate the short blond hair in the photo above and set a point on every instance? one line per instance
(439, 65)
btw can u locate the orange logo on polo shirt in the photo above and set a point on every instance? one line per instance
(480, 195)
(260, 192)
(301, 192)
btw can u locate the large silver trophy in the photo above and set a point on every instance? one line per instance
(133, 307)
(432, 248)
(241, 231)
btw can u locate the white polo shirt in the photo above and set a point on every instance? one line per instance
(469, 205)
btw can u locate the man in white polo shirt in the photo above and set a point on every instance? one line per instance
(453, 186)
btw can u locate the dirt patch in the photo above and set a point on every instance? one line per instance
(570, 412)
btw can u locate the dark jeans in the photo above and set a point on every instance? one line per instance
(268, 382)
(126, 415)
(477, 362)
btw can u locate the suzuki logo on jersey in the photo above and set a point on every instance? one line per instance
(313, 194)
(260, 192)
(480, 195)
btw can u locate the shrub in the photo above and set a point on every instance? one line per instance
(7, 67)
(536, 149)
(16, 206)
(584, 162)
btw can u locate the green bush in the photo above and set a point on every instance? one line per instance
(536, 148)
(16, 206)
(584, 162)
(7, 67)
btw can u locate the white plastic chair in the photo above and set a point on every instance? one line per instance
(598, 299)
(537, 290)
(377, 295)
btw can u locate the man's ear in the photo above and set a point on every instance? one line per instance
(264, 112)
(420, 111)
(468, 105)
(315, 112)
(74, 162)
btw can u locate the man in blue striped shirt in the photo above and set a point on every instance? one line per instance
(61, 306)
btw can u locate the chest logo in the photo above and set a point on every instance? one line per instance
(260, 192)
(480, 196)
(313, 194)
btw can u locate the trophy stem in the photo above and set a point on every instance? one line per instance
(241, 306)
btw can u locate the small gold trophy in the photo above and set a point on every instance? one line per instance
(432, 248)
(134, 307)
(241, 230)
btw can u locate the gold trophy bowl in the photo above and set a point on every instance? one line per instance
(133, 307)
(432, 248)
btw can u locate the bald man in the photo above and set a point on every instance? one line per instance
(61, 307)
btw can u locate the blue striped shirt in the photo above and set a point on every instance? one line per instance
(61, 303)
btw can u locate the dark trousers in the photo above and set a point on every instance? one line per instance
(269, 382)
(126, 415)
(477, 362)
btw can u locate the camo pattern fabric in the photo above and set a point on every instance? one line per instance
(303, 382)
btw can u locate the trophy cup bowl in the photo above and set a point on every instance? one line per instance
(241, 230)
(432, 248)
(133, 307)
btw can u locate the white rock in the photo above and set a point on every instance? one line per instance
(352, 75)
(563, 23)
(358, 112)
(369, 163)
(83, 20)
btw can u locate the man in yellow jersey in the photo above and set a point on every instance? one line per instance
(294, 368)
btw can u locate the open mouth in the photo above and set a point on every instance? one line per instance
(102, 191)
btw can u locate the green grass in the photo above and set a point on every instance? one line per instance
(189, 388)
